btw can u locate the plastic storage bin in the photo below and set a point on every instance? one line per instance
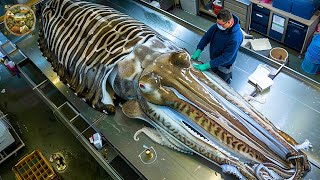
(314, 58)
(310, 67)
(260, 9)
(275, 35)
(304, 8)
(313, 52)
(260, 18)
(295, 34)
(314, 47)
(259, 28)
(311, 62)
(285, 5)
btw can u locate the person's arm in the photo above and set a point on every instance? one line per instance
(226, 56)
(206, 38)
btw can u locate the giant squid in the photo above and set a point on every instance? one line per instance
(97, 51)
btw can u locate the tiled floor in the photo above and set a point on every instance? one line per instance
(204, 22)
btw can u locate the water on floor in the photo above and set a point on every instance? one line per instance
(40, 130)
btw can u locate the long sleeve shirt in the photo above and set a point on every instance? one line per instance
(224, 44)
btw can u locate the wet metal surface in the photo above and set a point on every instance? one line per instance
(8, 47)
(40, 130)
(17, 56)
(292, 103)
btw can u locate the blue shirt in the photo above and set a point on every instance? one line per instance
(224, 45)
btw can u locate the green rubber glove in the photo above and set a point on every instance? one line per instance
(202, 67)
(196, 54)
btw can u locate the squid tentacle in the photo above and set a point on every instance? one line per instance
(161, 139)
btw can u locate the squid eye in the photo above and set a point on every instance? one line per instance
(146, 88)
(149, 83)
(142, 86)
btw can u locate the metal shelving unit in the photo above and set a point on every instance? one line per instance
(203, 9)
(16, 145)
(9, 50)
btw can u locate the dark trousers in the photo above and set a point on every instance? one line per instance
(225, 76)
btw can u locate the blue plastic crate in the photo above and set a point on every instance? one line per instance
(310, 67)
(285, 5)
(304, 8)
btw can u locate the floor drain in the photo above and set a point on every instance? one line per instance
(59, 161)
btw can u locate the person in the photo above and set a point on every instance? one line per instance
(225, 38)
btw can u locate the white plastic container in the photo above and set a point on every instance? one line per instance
(11, 64)
(96, 140)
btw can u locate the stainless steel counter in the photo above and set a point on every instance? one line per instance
(292, 103)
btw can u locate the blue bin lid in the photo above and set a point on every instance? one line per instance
(314, 2)
(316, 40)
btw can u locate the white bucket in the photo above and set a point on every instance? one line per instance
(96, 140)
(279, 54)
